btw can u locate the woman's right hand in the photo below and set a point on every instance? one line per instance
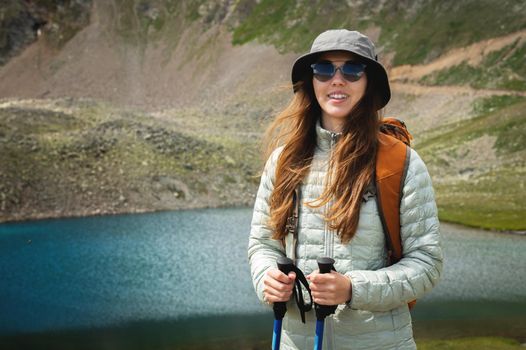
(278, 286)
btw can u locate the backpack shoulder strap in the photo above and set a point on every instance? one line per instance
(392, 161)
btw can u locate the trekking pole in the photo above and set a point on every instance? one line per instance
(325, 265)
(285, 265)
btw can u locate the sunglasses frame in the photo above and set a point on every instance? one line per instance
(327, 77)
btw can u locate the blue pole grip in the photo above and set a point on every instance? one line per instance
(318, 338)
(276, 335)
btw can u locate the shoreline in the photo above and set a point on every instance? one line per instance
(97, 213)
(489, 230)
(57, 216)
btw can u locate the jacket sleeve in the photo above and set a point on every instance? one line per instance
(421, 265)
(263, 251)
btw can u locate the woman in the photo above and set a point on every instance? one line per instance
(327, 138)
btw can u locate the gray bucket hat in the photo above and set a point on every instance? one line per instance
(345, 40)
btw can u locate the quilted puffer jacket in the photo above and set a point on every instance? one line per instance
(377, 316)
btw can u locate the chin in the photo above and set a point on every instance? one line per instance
(339, 114)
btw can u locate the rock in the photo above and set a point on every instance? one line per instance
(175, 186)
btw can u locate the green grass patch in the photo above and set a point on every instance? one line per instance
(502, 69)
(291, 27)
(493, 103)
(492, 201)
(482, 343)
(494, 198)
(501, 116)
(419, 33)
(414, 32)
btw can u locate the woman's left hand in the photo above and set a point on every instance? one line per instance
(330, 288)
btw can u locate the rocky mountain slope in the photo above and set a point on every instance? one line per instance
(160, 104)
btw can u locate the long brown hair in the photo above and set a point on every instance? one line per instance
(351, 166)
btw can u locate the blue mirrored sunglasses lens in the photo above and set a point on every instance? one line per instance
(326, 69)
(353, 69)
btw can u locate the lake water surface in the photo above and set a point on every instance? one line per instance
(163, 280)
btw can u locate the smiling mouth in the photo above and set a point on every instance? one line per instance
(338, 96)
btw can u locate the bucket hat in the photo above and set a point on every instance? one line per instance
(350, 41)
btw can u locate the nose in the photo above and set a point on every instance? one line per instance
(338, 79)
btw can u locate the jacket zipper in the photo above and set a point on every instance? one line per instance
(329, 239)
(329, 249)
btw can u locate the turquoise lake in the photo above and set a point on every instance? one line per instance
(181, 279)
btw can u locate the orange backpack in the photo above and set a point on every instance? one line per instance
(392, 161)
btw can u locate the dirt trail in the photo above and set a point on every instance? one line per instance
(472, 54)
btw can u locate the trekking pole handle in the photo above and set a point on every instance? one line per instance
(326, 265)
(285, 265)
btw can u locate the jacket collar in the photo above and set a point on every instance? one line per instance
(326, 139)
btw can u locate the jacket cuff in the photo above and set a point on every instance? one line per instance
(357, 290)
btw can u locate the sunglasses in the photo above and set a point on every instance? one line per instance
(324, 71)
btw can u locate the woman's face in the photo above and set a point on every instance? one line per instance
(337, 96)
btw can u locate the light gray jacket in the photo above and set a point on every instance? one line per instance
(377, 316)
